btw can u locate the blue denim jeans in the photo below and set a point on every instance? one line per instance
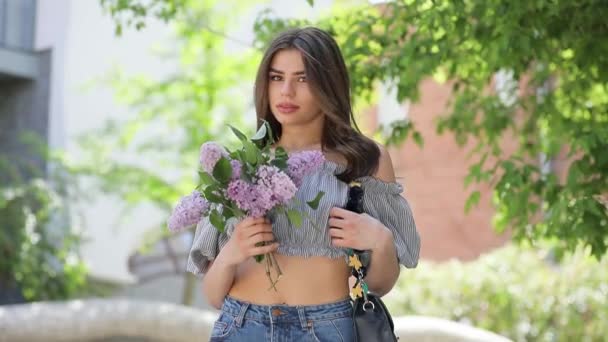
(242, 321)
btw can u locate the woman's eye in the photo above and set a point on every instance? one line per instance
(275, 78)
(302, 79)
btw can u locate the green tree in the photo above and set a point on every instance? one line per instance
(556, 60)
(172, 116)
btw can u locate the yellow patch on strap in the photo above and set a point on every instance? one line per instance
(353, 261)
(357, 291)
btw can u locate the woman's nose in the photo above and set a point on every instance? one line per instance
(287, 89)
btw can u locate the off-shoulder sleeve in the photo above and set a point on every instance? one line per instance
(383, 201)
(206, 245)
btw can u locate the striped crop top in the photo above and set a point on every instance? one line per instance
(381, 200)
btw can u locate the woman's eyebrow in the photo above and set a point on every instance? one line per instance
(281, 72)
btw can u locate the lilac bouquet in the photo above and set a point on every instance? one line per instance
(250, 181)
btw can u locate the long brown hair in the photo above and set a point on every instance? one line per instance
(328, 78)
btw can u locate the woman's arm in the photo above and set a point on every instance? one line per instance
(241, 246)
(383, 270)
(363, 232)
(218, 281)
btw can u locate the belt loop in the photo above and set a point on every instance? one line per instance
(302, 316)
(241, 316)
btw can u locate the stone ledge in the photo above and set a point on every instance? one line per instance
(101, 319)
(19, 64)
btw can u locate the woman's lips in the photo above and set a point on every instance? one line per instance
(287, 108)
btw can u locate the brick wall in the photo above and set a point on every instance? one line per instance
(433, 178)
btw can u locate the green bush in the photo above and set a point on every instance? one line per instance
(517, 292)
(38, 257)
(39, 249)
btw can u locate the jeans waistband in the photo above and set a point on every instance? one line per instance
(281, 313)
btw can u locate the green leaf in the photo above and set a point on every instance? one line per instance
(227, 213)
(118, 30)
(261, 133)
(314, 204)
(251, 152)
(222, 171)
(242, 155)
(280, 163)
(311, 2)
(280, 152)
(418, 138)
(574, 174)
(262, 160)
(210, 195)
(271, 137)
(398, 131)
(280, 158)
(236, 211)
(294, 217)
(205, 178)
(239, 134)
(234, 154)
(216, 220)
(232, 208)
(472, 200)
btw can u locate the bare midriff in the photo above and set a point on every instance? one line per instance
(305, 281)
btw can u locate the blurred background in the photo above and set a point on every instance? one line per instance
(495, 114)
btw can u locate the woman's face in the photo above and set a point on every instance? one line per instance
(291, 100)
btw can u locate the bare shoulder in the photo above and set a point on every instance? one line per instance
(385, 171)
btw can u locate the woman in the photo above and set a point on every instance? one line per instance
(302, 90)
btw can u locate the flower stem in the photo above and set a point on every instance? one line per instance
(277, 267)
(268, 274)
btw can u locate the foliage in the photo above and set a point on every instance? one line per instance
(38, 248)
(174, 115)
(550, 97)
(517, 292)
(133, 13)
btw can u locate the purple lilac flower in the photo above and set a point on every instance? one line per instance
(302, 163)
(210, 153)
(239, 191)
(261, 201)
(271, 188)
(249, 197)
(277, 183)
(188, 211)
(236, 168)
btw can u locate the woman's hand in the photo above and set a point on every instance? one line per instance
(357, 231)
(247, 233)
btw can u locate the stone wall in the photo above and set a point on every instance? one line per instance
(126, 320)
